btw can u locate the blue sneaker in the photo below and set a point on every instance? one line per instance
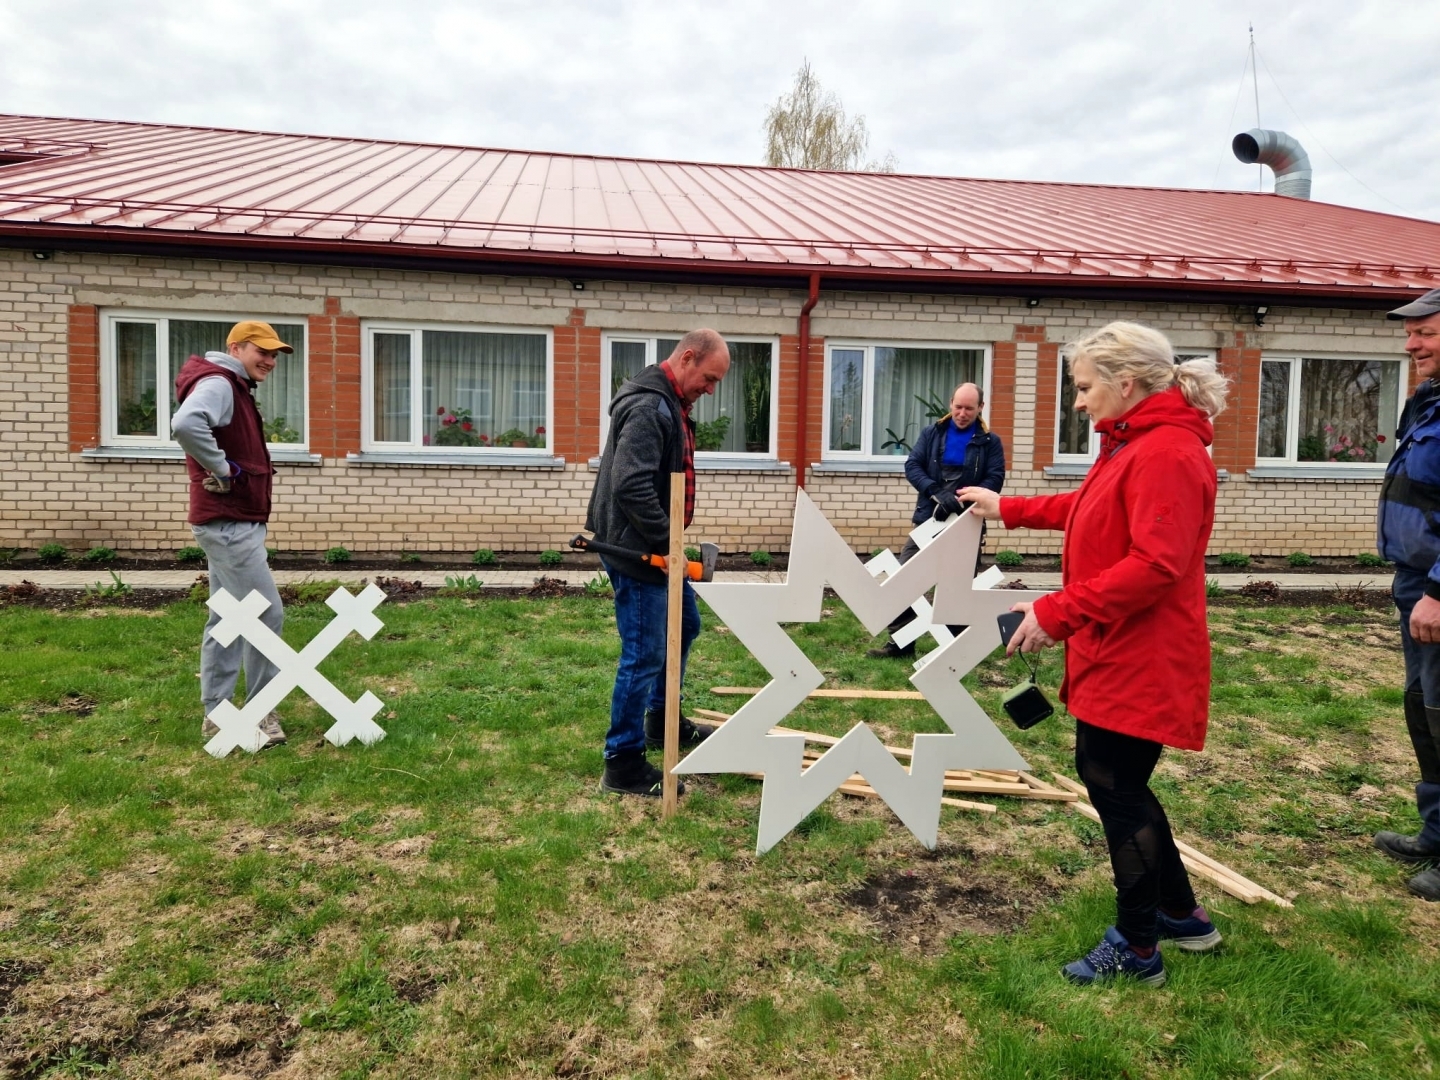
(1195, 933)
(1113, 957)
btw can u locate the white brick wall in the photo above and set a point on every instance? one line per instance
(51, 494)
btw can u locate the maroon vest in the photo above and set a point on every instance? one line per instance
(242, 441)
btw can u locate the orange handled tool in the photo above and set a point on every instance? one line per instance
(704, 570)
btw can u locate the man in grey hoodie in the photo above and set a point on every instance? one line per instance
(652, 435)
(218, 426)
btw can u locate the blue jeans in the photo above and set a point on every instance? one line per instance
(1422, 680)
(640, 616)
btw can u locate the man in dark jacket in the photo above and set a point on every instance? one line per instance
(1409, 536)
(956, 451)
(652, 435)
(218, 426)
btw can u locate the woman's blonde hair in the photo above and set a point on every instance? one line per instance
(1126, 350)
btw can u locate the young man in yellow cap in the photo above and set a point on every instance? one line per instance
(218, 426)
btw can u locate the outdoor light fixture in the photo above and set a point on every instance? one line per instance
(1260, 313)
(1034, 301)
(578, 286)
(41, 255)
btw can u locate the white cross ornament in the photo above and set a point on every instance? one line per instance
(241, 618)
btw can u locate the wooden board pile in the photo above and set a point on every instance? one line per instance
(1015, 785)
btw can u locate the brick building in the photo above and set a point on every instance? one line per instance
(428, 288)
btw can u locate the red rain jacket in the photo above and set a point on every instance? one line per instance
(1132, 608)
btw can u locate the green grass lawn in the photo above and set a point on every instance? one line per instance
(460, 901)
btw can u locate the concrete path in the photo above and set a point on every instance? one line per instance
(519, 579)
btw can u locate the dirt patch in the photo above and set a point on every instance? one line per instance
(73, 703)
(13, 975)
(547, 588)
(928, 907)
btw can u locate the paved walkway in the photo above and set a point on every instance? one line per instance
(520, 579)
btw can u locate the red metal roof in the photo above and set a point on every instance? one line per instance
(146, 182)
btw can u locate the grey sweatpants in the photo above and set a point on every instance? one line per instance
(236, 552)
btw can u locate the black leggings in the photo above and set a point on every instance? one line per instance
(1148, 872)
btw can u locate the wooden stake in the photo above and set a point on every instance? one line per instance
(675, 585)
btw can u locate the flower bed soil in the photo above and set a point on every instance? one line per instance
(377, 561)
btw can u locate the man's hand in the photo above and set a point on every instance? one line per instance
(984, 503)
(1029, 636)
(1425, 621)
(946, 504)
(220, 485)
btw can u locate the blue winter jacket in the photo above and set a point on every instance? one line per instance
(984, 465)
(1409, 519)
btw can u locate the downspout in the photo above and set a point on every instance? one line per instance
(801, 450)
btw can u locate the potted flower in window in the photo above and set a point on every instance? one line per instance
(512, 437)
(457, 428)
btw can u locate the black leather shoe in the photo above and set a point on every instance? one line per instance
(631, 774)
(1409, 849)
(891, 651)
(1426, 885)
(691, 733)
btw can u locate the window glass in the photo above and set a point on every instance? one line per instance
(392, 387)
(1274, 408)
(913, 388)
(736, 418)
(1074, 426)
(847, 385)
(483, 389)
(627, 359)
(136, 412)
(1347, 410)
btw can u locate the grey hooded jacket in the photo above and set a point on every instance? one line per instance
(629, 506)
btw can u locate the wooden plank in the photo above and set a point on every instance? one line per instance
(675, 585)
(846, 695)
(865, 791)
(1196, 861)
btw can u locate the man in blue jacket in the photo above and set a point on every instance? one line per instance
(956, 451)
(1409, 536)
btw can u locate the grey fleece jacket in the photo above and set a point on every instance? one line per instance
(211, 404)
(629, 505)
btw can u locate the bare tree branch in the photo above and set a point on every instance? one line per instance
(807, 129)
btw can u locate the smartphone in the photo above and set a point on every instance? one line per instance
(1009, 622)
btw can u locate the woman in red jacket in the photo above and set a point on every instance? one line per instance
(1132, 615)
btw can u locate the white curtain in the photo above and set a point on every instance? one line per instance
(1274, 409)
(499, 379)
(744, 397)
(135, 412)
(847, 387)
(913, 388)
(391, 405)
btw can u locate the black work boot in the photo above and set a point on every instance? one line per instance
(1409, 849)
(1426, 885)
(891, 651)
(691, 733)
(628, 773)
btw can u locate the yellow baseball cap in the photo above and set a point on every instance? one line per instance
(260, 333)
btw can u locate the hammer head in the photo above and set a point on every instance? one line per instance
(709, 553)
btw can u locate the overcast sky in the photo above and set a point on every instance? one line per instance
(1094, 91)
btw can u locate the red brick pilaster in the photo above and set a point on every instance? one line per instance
(1238, 427)
(333, 344)
(576, 436)
(1047, 399)
(787, 442)
(83, 345)
(1001, 412)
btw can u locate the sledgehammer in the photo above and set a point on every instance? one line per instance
(704, 570)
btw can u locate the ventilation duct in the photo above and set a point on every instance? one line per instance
(1283, 153)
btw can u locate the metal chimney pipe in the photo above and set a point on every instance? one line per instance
(1283, 153)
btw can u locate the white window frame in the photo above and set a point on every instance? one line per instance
(415, 330)
(160, 319)
(651, 358)
(867, 392)
(1094, 443)
(1292, 409)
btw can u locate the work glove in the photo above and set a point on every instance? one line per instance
(946, 504)
(220, 485)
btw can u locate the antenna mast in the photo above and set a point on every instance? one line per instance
(1255, 82)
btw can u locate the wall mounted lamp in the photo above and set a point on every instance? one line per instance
(1034, 301)
(1260, 313)
(41, 255)
(578, 286)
